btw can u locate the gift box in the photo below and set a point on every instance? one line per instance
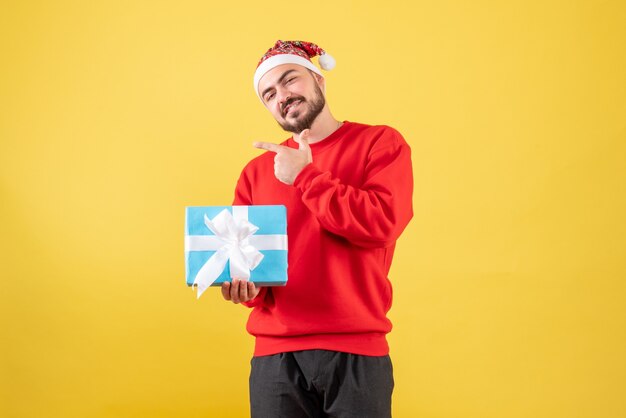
(246, 242)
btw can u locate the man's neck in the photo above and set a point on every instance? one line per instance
(324, 125)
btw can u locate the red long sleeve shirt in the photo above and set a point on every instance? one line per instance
(345, 211)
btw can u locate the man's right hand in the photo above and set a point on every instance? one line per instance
(239, 290)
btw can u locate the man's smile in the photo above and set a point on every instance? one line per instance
(291, 105)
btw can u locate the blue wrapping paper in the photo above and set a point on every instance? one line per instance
(271, 221)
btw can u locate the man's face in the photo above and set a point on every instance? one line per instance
(293, 96)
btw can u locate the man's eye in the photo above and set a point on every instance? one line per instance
(269, 96)
(290, 80)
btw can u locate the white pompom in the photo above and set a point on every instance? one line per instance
(327, 62)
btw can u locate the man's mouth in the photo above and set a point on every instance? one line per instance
(291, 105)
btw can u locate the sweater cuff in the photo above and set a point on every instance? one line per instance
(258, 300)
(304, 179)
(251, 304)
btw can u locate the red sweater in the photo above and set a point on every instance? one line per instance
(345, 211)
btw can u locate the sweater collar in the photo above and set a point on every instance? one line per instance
(326, 142)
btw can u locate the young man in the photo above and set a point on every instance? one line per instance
(321, 347)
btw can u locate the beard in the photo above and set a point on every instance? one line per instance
(303, 119)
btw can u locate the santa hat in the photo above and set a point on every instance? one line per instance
(292, 52)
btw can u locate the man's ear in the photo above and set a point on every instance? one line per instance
(321, 81)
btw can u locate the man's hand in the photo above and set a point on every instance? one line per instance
(239, 290)
(289, 162)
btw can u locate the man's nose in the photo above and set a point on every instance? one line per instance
(283, 95)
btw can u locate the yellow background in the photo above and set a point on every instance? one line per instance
(509, 282)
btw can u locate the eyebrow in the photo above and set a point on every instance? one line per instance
(280, 80)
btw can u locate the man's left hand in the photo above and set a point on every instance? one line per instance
(289, 162)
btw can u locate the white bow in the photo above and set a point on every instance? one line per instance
(236, 248)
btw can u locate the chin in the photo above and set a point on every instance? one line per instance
(293, 116)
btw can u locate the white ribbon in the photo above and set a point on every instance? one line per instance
(234, 241)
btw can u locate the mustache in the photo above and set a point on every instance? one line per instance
(290, 101)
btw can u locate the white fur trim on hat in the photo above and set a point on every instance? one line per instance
(277, 60)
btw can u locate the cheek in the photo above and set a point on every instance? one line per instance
(274, 110)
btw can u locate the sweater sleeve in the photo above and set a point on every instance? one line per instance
(374, 214)
(243, 196)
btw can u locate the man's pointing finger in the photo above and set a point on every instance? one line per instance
(268, 146)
